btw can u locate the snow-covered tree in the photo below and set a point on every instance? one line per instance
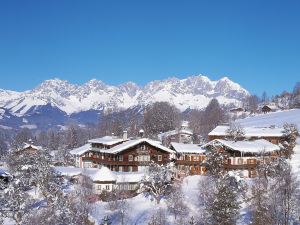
(219, 200)
(290, 135)
(224, 209)
(15, 202)
(235, 132)
(175, 202)
(159, 217)
(22, 136)
(275, 197)
(65, 157)
(214, 161)
(252, 103)
(160, 117)
(157, 181)
(3, 147)
(73, 136)
(53, 140)
(212, 117)
(284, 195)
(260, 202)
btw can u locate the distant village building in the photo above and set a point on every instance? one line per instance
(237, 110)
(269, 108)
(182, 135)
(189, 159)
(272, 134)
(246, 155)
(29, 149)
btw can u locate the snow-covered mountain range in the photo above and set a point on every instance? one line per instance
(69, 99)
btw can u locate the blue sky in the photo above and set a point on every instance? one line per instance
(255, 43)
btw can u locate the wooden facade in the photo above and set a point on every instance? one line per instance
(132, 159)
(190, 164)
(245, 162)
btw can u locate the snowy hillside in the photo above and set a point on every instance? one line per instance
(275, 118)
(192, 92)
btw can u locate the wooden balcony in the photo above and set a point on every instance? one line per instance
(240, 166)
(111, 162)
(190, 163)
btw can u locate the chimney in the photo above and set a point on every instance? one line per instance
(125, 137)
(141, 133)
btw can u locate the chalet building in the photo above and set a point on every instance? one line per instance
(124, 156)
(245, 156)
(29, 149)
(103, 143)
(237, 110)
(189, 159)
(272, 134)
(182, 135)
(269, 108)
(103, 179)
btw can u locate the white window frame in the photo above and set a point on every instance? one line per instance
(159, 158)
(130, 158)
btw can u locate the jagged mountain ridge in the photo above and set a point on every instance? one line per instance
(192, 92)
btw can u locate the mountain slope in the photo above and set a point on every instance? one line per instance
(192, 92)
(55, 102)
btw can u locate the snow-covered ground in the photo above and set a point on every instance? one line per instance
(141, 208)
(295, 161)
(274, 118)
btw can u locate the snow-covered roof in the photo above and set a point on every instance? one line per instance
(128, 144)
(107, 140)
(3, 172)
(70, 171)
(255, 146)
(130, 177)
(103, 174)
(26, 145)
(272, 107)
(173, 132)
(185, 123)
(250, 131)
(81, 150)
(166, 134)
(187, 148)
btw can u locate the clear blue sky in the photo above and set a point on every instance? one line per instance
(255, 43)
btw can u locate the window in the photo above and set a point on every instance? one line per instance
(130, 158)
(87, 165)
(107, 187)
(159, 157)
(129, 168)
(120, 158)
(99, 187)
(251, 161)
(240, 161)
(143, 147)
(120, 168)
(143, 158)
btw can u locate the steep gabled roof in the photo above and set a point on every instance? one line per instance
(107, 140)
(187, 148)
(26, 145)
(81, 150)
(256, 146)
(128, 144)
